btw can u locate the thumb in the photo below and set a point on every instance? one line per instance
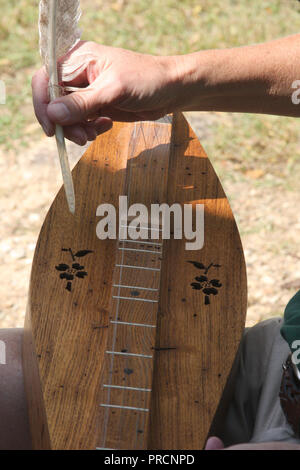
(75, 107)
(214, 443)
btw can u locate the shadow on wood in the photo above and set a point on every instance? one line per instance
(177, 333)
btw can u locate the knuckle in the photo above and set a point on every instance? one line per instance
(88, 44)
(119, 84)
(79, 104)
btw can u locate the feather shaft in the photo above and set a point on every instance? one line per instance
(58, 28)
(55, 93)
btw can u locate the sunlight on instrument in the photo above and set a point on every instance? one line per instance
(128, 343)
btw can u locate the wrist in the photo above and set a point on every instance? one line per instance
(190, 76)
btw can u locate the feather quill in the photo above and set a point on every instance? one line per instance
(59, 33)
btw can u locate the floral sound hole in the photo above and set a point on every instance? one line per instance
(208, 287)
(69, 272)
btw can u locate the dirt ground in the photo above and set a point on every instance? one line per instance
(266, 213)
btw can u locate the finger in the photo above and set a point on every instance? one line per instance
(214, 443)
(93, 100)
(101, 125)
(132, 116)
(79, 105)
(76, 134)
(73, 108)
(84, 132)
(40, 83)
(97, 127)
(77, 55)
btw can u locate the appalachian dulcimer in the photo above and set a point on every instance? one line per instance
(129, 342)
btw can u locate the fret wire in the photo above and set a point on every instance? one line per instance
(143, 228)
(119, 353)
(136, 267)
(104, 448)
(142, 242)
(134, 298)
(136, 287)
(128, 388)
(124, 407)
(133, 324)
(141, 251)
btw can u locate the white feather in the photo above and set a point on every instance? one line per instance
(59, 33)
(67, 32)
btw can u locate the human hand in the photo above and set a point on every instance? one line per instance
(117, 84)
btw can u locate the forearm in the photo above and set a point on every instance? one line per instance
(251, 79)
(121, 85)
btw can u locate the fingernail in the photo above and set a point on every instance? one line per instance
(46, 129)
(80, 138)
(80, 142)
(104, 128)
(59, 111)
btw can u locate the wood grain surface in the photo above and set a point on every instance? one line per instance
(86, 343)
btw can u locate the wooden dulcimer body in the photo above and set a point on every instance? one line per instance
(129, 342)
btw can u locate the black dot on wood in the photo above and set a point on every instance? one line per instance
(123, 350)
(183, 300)
(128, 371)
(134, 293)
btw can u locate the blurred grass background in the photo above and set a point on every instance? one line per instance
(256, 156)
(157, 27)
